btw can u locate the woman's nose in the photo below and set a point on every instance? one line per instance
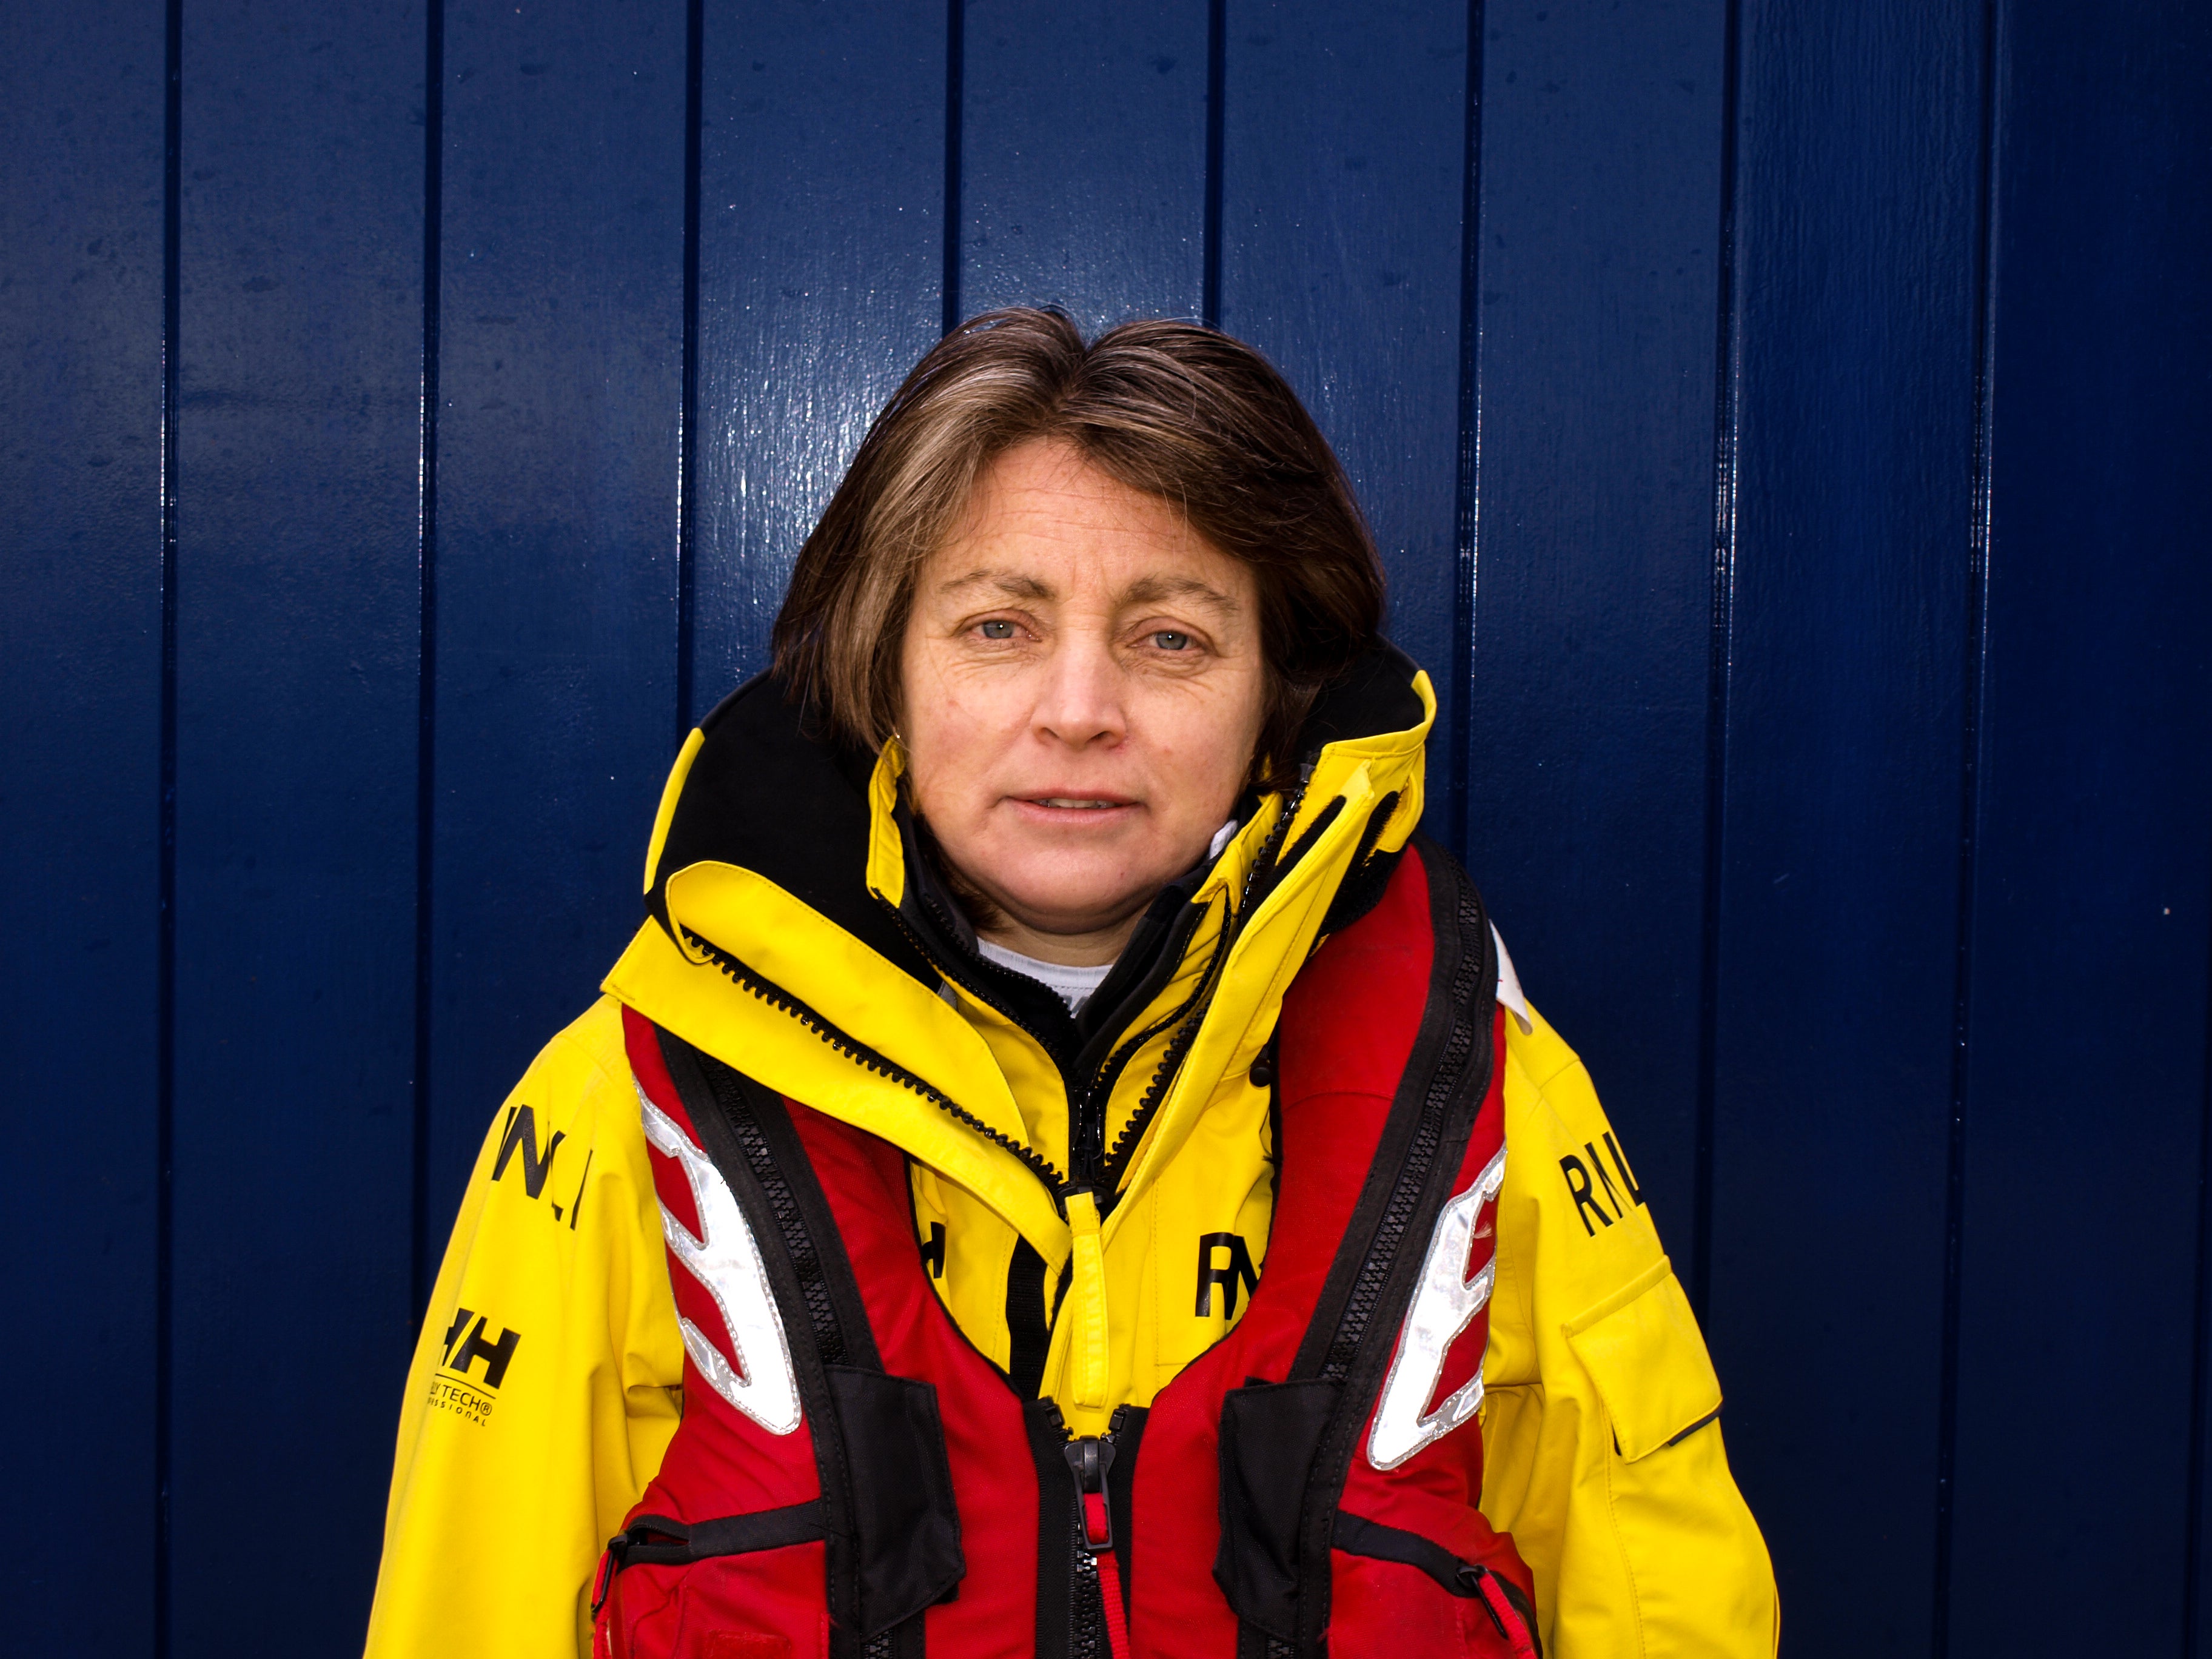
(1081, 702)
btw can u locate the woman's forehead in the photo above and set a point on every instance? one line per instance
(1044, 524)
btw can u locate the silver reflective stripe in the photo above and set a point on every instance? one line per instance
(1445, 1303)
(727, 1262)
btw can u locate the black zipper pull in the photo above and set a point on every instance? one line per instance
(1089, 1457)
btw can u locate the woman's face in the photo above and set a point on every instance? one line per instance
(1081, 689)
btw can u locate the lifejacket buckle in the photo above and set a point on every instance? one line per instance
(610, 1564)
(1506, 1609)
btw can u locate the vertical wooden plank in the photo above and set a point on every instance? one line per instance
(1859, 164)
(81, 208)
(1343, 147)
(2086, 1062)
(820, 259)
(561, 342)
(298, 626)
(1083, 158)
(1598, 272)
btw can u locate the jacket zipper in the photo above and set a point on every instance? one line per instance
(851, 1047)
(1093, 1164)
(956, 973)
(1260, 880)
(1086, 1139)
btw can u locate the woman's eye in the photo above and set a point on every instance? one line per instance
(1168, 639)
(998, 629)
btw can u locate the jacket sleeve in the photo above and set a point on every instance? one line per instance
(546, 1384)
(1602, 1450)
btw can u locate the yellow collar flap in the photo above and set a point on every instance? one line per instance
(886, 850)
(1265, 956)
(1362, 796)
(765, 984)
(1379, 722)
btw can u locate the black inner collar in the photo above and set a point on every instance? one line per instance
(1078, 1045)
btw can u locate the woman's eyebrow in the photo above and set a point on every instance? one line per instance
(1148, 590)
(1009, 582)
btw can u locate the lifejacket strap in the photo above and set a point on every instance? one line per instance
(662, 1540)
(658, 1540)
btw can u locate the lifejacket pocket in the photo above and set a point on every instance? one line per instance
(1415, 1596)
(1405, 1592)
(1271, 1434)
(759, 1604)
(905, 1523)
(736, 1586)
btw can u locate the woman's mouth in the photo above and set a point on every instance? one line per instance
(1070, 808)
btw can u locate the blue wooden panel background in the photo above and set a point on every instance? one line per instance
(1785, 427)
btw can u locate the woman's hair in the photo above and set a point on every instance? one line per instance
(1178, 411)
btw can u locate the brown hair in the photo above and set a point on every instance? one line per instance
(1179, 411)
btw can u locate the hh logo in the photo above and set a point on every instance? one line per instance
(463, 1352)
(469, 1341)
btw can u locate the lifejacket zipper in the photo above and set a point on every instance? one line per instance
(1093, 1559)
(1463, 1039)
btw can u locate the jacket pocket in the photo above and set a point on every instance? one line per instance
(1643, 1350)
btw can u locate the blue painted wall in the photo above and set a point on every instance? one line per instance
(1786, 428)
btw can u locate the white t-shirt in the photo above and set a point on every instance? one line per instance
(1072, 985)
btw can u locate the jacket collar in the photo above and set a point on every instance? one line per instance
(783, 897)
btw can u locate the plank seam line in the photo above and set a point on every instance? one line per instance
(426, 703)
(1976, 667)
(1720, 665)
(955, 20)
(165, 966)
(2199, 1383)
(1217, 77)
(687, 416)
(1468, 503)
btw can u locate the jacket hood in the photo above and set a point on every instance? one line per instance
(788, 933)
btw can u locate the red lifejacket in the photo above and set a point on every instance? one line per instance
(1306, 1486)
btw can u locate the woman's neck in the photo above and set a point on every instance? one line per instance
(1087, 950)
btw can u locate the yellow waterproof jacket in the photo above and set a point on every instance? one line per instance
(796, 933)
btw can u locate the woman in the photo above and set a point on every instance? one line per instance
(1064, 1168)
